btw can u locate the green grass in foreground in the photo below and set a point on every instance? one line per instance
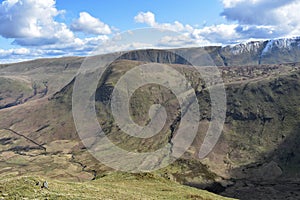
(113, 186)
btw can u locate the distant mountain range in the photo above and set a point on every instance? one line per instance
(275, 51)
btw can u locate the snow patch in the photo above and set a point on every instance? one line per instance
(285, 43)
(246, 47)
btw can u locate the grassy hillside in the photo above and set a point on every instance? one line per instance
(259, 141)
(112, 186)
(14, 91)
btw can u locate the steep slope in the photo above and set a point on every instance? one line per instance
(27, 81)
(112, 186)
(282, 50)
(14, 91)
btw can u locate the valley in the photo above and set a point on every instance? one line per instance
(257, 156)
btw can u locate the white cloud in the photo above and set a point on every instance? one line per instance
(221, 33)
(32, 21)
(17, 51)
(176, 26)
(182, 41)
(111, 47)
(89, 24)
(32, 24)
(149, 19)
(190, 36)
(257, 19)
(266, 18)
(14, 55)
(230, 3)
(258, 12)
(145, 17)
(78, 47)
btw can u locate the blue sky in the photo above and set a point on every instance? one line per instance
(120, 13)
(47, 28)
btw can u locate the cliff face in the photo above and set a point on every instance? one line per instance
(252, 53)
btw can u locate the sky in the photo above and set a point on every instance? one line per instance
(32, 29)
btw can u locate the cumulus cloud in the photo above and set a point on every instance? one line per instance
(32, 21)
(149, 19)
(256, 19)
(267, 18)
(258, 12)
(222, 33)
(78, 47)
(89, 24)
(145, 17)
(33, 26)
(190, 36)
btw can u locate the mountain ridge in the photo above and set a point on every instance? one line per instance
(272, 51)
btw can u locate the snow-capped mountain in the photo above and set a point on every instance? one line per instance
(262, 52)
(275, 51)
